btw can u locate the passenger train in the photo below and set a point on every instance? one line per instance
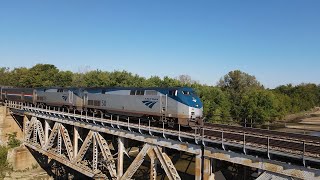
(169, 105)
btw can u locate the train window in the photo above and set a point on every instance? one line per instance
(90, 102)
(186, 92)
(60, 90)
(173, 93)
(132, 92)
(96, 103)
(151, 92)
(103, 91)
(140, 92)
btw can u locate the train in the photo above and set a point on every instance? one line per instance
(172, 106)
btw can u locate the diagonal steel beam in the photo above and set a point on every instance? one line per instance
(29, 128)
(40, 132)
(67, 141)
(35, 132)
(95, 153)
(167, 164)
(106, 153)
(136, 163)
(52, 136)
(86, 144)
(153, 164)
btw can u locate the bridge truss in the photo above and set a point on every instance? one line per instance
(84, 143)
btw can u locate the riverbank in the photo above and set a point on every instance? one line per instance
(306, 123)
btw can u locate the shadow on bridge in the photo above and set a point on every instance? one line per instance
(55, 169)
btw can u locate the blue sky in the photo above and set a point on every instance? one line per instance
(278, 41)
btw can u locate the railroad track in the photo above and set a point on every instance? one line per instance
(264, 132)
(286, 142)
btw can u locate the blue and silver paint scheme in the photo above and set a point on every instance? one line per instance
(68, 97)
(179, 103)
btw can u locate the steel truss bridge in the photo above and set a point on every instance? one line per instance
(82, 142)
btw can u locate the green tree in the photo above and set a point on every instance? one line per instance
(97, 78)
(236, 83)
(12, 140)
(63, 79)
(4, 76)
(215, 103)
(260, 105)
(4, 166)
(153, 81)
(43, 75)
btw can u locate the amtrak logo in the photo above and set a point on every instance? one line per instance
(150, 104)
(65, 98)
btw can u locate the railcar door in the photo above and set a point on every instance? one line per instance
(35, 96)
(70, 97)
(163, 107)
(22, 95)
(85, 99)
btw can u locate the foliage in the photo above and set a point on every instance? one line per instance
(260, 105)
(4, 166)
(236, 84)
(12, 140)
(215, 101)
(238, 95)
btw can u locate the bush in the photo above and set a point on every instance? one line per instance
(12, 140)
(4, 166)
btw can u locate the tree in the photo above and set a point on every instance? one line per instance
(4, 76)
(97, 78)
(43, 75)
(64, 79)
(12, 140)
(260, 106)
(215, 103)
(236, 83)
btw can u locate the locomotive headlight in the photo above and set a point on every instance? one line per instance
(197, 105)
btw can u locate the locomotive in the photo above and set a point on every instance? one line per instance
(175, 105)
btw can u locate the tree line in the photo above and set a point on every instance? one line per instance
(237, 96)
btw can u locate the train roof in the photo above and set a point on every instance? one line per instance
(138, 88)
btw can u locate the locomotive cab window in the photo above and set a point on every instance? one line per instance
(186, 93)
(173, 93)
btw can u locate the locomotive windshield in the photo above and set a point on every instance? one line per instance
(189, 93)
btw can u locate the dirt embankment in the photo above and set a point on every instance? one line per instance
(307, 122)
